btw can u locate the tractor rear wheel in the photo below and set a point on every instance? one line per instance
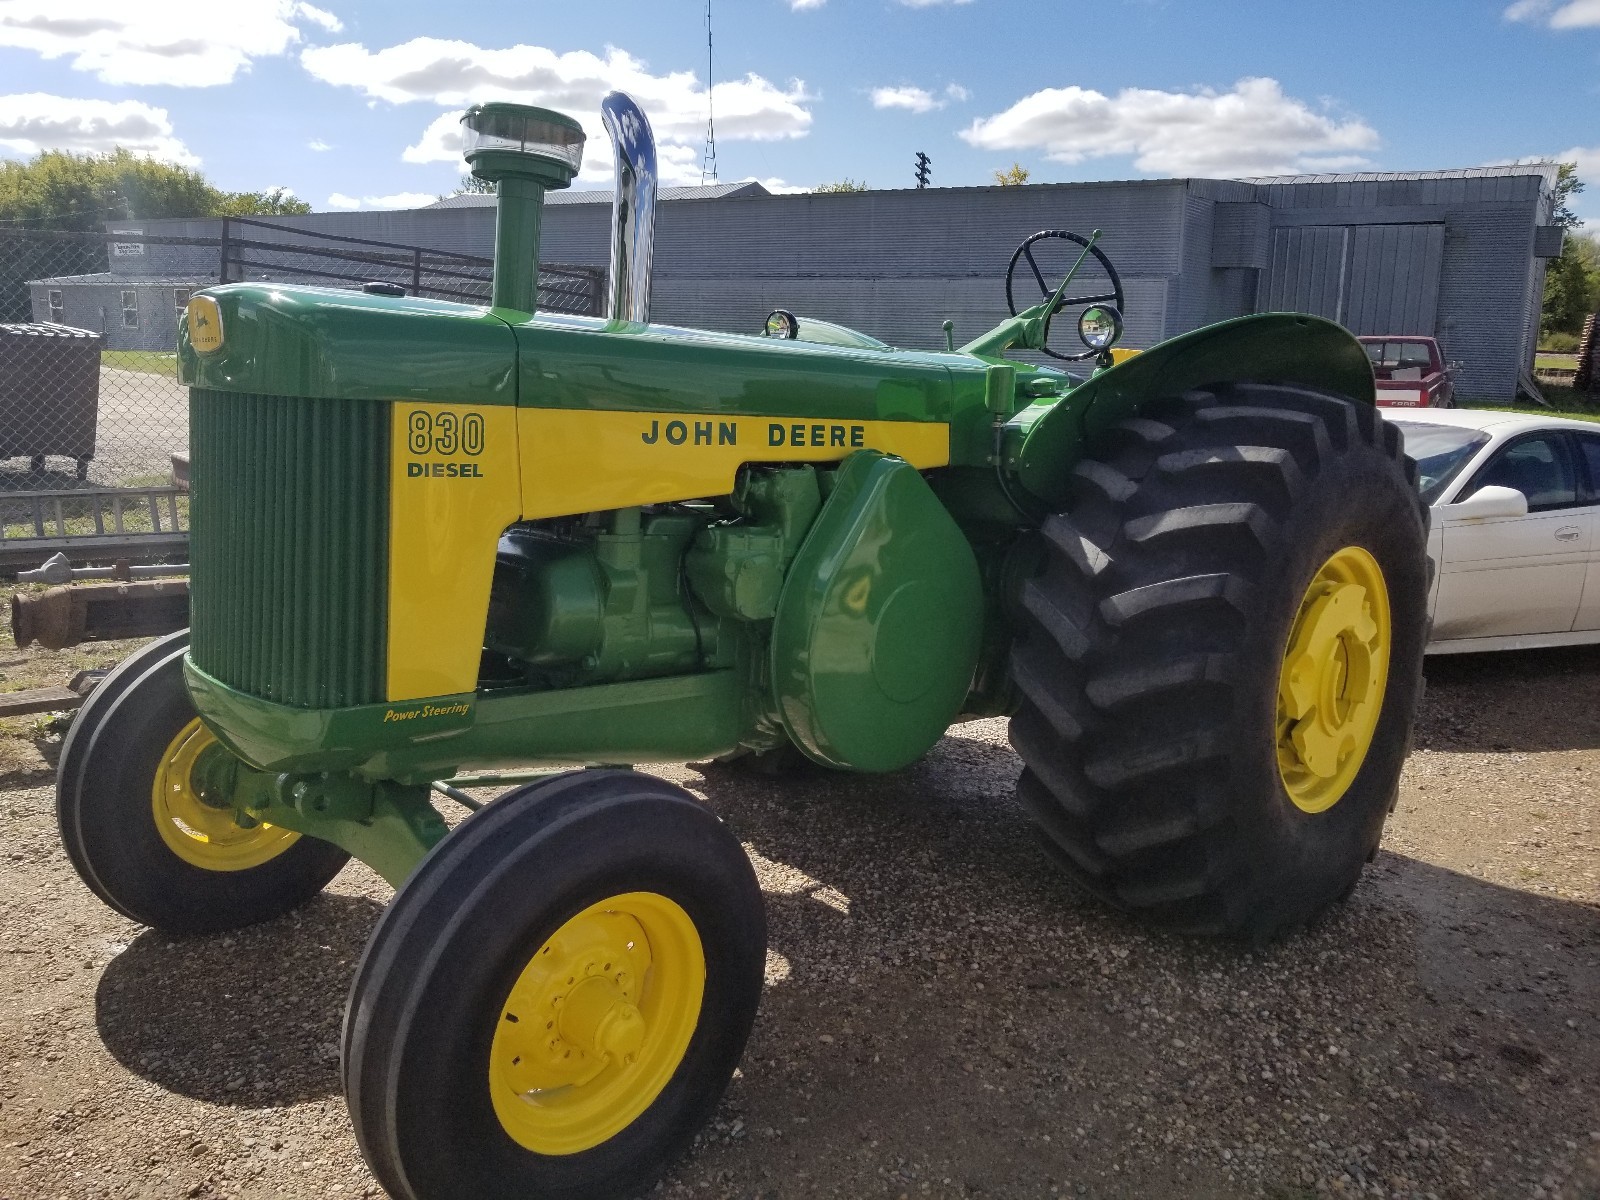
(1221, 656)
(558, 996)
(140, 834)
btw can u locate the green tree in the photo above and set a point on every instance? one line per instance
(843, 185)
(1567, 186)
(1571, 282)
(1015, 177)
(57, 189)
(274, 202)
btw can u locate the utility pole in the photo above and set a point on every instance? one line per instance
(923, 163)
(708, 164)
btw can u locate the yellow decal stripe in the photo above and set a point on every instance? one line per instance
(577, 461)
(454, 486)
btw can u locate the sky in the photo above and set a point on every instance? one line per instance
(355, 103)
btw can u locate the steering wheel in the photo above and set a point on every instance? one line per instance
(1025, 251)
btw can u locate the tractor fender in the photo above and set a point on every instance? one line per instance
(1282, 348)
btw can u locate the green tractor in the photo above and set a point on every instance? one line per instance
(430, 539)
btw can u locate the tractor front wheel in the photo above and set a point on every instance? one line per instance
(137, 829)
(1222, 655)
(557, 997)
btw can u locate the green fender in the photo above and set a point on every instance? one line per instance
(1267, 348)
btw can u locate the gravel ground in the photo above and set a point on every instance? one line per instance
(944, 1016)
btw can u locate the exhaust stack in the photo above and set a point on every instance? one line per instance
(633, 213)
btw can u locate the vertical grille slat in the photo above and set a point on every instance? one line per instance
(288, 543)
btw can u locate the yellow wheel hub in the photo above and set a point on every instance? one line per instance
(1330, 690)
(200, 834)
(597, 1023)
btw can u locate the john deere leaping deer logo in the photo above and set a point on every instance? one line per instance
(204, 321)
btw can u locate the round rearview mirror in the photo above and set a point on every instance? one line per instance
(1100, 326)
(781, 323)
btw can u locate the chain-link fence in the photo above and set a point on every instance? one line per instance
(89, 396)
(94, 426)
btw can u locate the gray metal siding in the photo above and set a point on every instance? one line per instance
(98, 307)
(1484, 294)
(1307, 272)
(1243, 236)
(1392, 284)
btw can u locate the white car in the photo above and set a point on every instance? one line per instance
(1515, 536)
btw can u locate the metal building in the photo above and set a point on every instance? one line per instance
(1457, 254)
(133, 312)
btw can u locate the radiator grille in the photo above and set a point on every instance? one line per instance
(288, 546)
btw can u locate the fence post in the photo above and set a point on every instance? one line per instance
(222, 274)
(1584, 380)
(416, 271)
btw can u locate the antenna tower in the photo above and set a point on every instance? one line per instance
(708, 164)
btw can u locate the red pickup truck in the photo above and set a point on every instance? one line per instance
(1411, 373)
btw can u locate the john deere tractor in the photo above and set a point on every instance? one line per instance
(434, 539)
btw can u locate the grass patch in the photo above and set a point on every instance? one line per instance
(1564, 402)
(149, 362)
(1555, 362)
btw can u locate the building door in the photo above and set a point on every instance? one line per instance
(1369, 278)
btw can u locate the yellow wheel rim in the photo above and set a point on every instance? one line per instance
(597, 1023)
(201, 835)
(1330, 690)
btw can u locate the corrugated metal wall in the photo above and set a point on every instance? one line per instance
(1369, 278)
(1446, 255)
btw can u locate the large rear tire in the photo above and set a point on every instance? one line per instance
(557, 997)
(137, 831)
(1221, 658)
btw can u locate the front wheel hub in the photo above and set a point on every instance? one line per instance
(189, 802)
(1331, 686)
(596, 1023)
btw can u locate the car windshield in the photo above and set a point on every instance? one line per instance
(1441, 451)
(1393, 356)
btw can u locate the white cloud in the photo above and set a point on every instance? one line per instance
(802, 5)
(459, 73)
(912, 99)
(182, 43)
(318, 145)
(1254, 129)
(33, 121)
(917, 100)
(456, 73)
(1558, 14)
(778, 187)
(1586, 159)
(397, 200)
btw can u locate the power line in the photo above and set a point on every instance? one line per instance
(708, 164)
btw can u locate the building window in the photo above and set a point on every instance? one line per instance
(180, 299)
(130, 310)
(58, 306)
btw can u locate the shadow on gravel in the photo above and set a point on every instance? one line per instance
(1530, 700)
(1534, 958)
(248, 1019)
(928, 958)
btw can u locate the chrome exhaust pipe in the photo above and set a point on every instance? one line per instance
(633, 213)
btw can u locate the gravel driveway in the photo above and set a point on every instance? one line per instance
(944, 1017)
